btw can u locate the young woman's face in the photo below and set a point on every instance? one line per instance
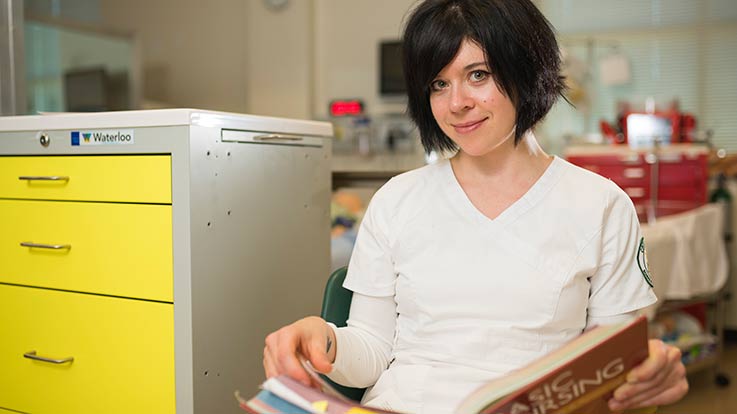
(469, 107)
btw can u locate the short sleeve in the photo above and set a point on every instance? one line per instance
(371, 267)
(622, 281)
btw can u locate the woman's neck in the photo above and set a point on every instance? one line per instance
(522, 164)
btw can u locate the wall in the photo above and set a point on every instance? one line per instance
(279, 65)
(313, 51)
(347, 37)
(241, 56)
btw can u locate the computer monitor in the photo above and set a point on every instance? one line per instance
(86, 90)
(391, 75)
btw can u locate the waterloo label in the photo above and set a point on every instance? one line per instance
(103, 137)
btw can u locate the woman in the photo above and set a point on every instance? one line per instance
(477, 265)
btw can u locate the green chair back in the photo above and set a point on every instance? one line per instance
(336, 304)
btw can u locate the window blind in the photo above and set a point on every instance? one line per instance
(677, 49)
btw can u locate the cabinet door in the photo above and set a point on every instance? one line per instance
(117, 178)
(122, 350)
(108, 248)
(684, 181)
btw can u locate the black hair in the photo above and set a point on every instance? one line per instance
(521, 52)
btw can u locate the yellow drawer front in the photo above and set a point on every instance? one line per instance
(123, 352)
(120, 178)
(115, 249)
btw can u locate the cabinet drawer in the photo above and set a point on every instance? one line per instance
(119, 178)
(123, 353)
(626, 175)
(622, 172)
(681, 193)
(108, 248)
(686, 173)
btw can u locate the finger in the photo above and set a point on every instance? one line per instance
(669, 396)
(671, 373)
(321, 363)
(671, 389)
(318, 357)
(315, 380)
(274, 344)
(281, 348)
(269, 367)
(269, 364)
(633, 394)
(652, 365)
(290, 365)
(315, 350)
(631, 389)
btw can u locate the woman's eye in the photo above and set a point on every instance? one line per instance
(438, 85)
(478, 75)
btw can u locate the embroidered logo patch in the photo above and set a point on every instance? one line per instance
(642, 262)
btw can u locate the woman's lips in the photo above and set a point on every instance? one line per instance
(467, 127)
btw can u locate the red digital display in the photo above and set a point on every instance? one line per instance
(346, 107)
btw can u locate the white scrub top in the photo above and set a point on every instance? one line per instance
(477, 298)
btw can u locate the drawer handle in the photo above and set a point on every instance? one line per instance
(44, 177)
(276, 137)
(46, 246)
(635, 192)
(634, 173)
(32, 355)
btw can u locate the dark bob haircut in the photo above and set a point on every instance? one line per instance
(520, 48)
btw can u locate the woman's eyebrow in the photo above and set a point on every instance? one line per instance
(473, 65)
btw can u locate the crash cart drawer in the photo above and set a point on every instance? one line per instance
(116, 178)
(65, 352)
(107, 248)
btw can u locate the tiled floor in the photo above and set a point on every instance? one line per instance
(704, 397)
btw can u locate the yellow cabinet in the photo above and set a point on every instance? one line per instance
(108, 248)
(122, 350)
(154, 262)
(86, 284)
(129, 178)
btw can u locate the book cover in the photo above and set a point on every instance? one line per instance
(579, 377)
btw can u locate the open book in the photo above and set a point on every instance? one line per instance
(577, 378)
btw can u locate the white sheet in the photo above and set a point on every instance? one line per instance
(687, 254)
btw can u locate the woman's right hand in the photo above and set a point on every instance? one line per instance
(310, 338)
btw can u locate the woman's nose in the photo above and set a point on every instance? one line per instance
(460, 100)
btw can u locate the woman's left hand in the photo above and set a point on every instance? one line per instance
(659, 380)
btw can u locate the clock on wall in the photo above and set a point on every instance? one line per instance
(276, 4)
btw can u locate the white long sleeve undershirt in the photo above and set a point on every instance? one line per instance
(363, 348)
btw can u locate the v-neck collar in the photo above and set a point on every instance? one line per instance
(524, 203)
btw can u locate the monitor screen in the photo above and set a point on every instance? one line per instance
(85, 90)
(644, 129)
(391, 76)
